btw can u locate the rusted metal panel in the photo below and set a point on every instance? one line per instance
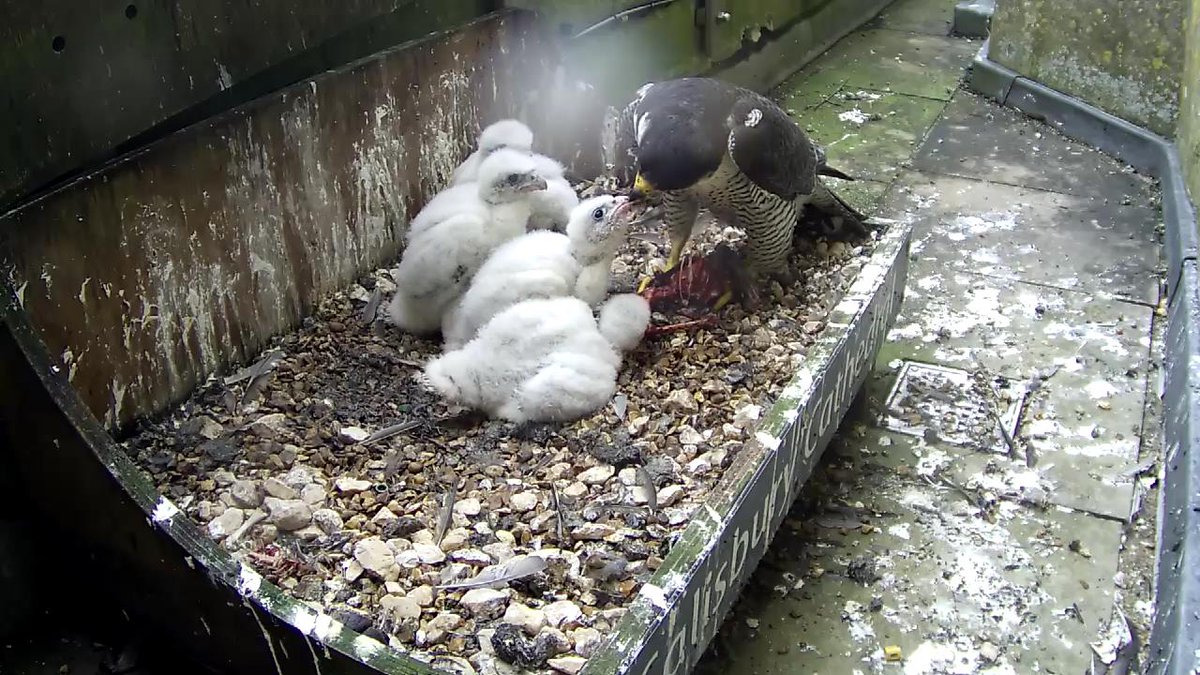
(85, 78)
(148, 276)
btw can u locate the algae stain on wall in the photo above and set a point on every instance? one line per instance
(1124, 56)
(1189, 103)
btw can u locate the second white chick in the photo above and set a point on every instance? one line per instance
(543, 360)
(439, 261)
(544, 265)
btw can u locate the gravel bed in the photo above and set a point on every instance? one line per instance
(280, 468)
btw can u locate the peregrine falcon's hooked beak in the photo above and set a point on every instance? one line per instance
(641, 188)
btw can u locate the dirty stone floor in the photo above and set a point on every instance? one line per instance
(927, 542)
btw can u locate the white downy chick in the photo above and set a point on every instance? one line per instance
(624, 320)
(508, 133)
(439, 261)
(552, 208)
(542, 360)
(544, 265)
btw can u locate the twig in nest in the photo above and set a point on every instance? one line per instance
(559, 528)
(446, 515)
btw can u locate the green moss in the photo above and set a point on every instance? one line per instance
(1125, 56)
(1189, 104)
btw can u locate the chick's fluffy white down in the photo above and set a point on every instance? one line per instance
(540, 360)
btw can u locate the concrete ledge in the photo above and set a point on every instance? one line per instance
(1175, 640)
(1144, 150)
(973, 18)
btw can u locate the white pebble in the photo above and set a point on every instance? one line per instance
(226, 524)
(567, 664)
(484, 603)
(354, 434)
(529, 619)
(428, 554)
(597, 475)
(524, 501)
(563, 614)
(351, 485)
(468, 507)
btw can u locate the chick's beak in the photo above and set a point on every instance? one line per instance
(533, 184)
(641, 188)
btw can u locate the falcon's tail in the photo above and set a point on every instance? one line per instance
(842, 219)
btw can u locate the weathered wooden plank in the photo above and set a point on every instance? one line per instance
(83, 79)
(152, 274)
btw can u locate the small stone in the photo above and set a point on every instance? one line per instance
(455, 540)
(269, 426)
(247, 494)
(402, 608)
(628, 476)
(593, 531)
(226, 524)
(468, 507)
(354, 434)
(682, 401)
(506, 537)
(422, 595)
(384, 516)
(747, 415)
(276, 488)
(689, 436)
(376, 557)
(500, 551)
(328, 520)
(289, 454)
(530, 620)
(352, 570)
(288, 514)
(471, 556)
(393, 588)
(484, 603)
(989, 652)
(223, 477)
(700, 466)
(597, 475)
(523, 501)
(421, 536)
(567, 664)
(555, 641)
(313, 494)
(575, 490)
(428, 554)
(563, 614)
(586, 641)
(205, 427)
(351, 485)
(670, 495)
(446, 621)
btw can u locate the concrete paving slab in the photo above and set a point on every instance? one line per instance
(1083, 424)
(865, 195)
(871, 134)
(888, 60)
(978, 139)
(956, 587)
(933, 17)
(1066, 241)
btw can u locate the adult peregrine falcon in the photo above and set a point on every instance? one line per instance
(703, 142)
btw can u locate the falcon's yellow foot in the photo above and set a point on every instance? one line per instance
(723, 300)
(672, 261)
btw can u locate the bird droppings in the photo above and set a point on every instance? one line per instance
(288, 468)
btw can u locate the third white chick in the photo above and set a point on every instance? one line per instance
(552, 207)
(544, 265)
(511, 134)
(439, 261)
(542, 360)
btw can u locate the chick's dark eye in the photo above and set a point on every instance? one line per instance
(513, 178)
(598, 214)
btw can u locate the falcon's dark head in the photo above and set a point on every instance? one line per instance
(673, 152)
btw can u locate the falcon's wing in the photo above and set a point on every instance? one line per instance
(625, 155)
(771, 149)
